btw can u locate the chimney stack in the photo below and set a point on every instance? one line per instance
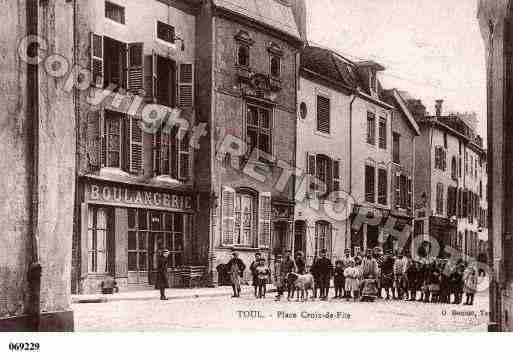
(438, 107)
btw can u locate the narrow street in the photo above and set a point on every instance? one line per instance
(227, 313)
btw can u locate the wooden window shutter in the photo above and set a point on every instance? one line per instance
(184, 158)
(398, 199)
(136, 146)
(135, 68)
(410, 193)
(94, 133)
(311, 170)
(336, 175)
(186, 86)
(228, 215)
(97, 60)
(264, 220)
(84, 233)
(323, 114)
(150, 77)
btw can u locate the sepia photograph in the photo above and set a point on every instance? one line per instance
(255, 165)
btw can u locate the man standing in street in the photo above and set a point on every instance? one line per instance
(162, 280)
(288, 266)
(300, 263)
(369, 265)
(236, 269)
(253, 271)
(325, 270)
(346, 263)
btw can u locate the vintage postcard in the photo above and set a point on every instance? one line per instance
(256, 165)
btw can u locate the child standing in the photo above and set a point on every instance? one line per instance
(338, 279)
(470, 285)
(352, 283)
(262, 275)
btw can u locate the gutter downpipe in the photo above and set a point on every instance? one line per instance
(348, 221)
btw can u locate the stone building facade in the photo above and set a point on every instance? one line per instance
(405, 131)
(37, 182)
(450, 175)
(135, 166)
(248, 61)
(324, 98)
(496, 23)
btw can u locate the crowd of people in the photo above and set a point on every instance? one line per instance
(361, 278)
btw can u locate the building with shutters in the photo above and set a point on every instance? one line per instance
(405, 131)
(248, 57)
(324, 95)
(135, 183)
(370, 157)
(450, 184)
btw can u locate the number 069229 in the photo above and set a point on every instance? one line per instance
(23, 346)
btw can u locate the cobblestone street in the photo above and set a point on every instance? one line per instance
(227, 313)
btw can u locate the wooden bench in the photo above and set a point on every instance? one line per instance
(192, 276)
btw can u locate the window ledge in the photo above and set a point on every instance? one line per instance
(114, 171)
(109, 20)
(166, 179)
(165, 43)
(323, 134)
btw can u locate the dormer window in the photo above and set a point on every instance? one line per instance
(244, 43)
(275, 55)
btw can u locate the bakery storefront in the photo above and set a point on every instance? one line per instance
(121, 226)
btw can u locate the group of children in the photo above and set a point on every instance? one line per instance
(364, 278)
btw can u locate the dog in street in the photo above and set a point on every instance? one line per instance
(301, 283)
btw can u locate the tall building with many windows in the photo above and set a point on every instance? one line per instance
(451, 172)
(248, 58)
(135, 179)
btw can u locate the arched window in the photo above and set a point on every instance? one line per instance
(243, 55)
(323, 236)
(454, 168)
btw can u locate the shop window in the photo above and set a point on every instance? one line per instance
(371, 128)
(383, 133)
(259, 129)
(97, 240)
(370, 191)
(396, 141)
(146, 229)
(323, 236)
(323, 114)
(165, 32)
(382, 186)
(114, 12)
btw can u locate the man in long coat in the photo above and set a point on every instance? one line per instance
(325, 270)
(236, 269)
(162, 280)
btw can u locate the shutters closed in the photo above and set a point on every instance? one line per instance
(186, 86)
(93, 146)
(97, 68)
(323, 114)
(264, 219)
(136, 146)
(311, 170)
(228, 215)
(135, 70)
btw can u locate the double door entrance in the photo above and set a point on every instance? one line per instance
(146, 229)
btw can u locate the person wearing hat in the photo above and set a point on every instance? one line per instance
(252, 269)
(162, 281)
(236, 269)
(346, 263)
(325, 270)
(369, 265)
(300, 262)
(287, 266)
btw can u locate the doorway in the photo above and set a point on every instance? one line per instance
(300, 237)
